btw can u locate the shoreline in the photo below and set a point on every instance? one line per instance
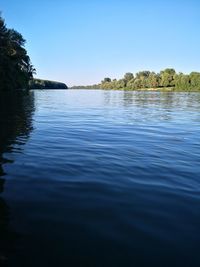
(164, 89)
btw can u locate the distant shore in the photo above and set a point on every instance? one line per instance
(165, 80)
(46, 84)
(158, 89)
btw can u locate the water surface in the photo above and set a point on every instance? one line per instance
(100, 178)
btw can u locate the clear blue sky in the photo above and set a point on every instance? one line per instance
(83, 41)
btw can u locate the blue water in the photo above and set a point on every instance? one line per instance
(101, 178)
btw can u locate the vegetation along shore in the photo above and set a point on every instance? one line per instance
(165, 80)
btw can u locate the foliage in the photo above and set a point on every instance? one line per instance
(128, 76)
(45, 84)
(15, 66)
(166, 79)
(195, 80)
(182, 81)
(106, 80)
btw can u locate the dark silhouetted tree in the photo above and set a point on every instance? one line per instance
(16, 69)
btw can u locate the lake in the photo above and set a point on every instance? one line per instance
(100, 178)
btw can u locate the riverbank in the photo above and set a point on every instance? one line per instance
(165, 80)
(158, 89)
(46, 84)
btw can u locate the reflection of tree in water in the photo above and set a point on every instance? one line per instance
(128, 98)
(7, 236)
(16, 123)
(144, 98)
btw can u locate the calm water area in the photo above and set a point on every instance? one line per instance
(97, 178)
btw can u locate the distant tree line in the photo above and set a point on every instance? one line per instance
(167, 78)
(45, 84)
(16, 69)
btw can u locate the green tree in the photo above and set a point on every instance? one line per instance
(130, 84)
(16, 69)
(128, 76)
(153, 80)
(182, 81)
(120, 84)
(106, 80)
(195, 80)
(167, 77)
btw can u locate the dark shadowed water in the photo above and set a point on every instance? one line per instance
(100, 178)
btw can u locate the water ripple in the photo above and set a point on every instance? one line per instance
(107, 178)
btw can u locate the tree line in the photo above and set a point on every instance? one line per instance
(45, 84)
(16, 69)
(165, 79)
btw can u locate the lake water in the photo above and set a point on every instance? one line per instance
(100, 178)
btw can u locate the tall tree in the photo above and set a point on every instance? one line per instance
(15, 67)
(128, 76)
(167, 77)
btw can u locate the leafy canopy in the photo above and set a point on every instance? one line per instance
(16, 69)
